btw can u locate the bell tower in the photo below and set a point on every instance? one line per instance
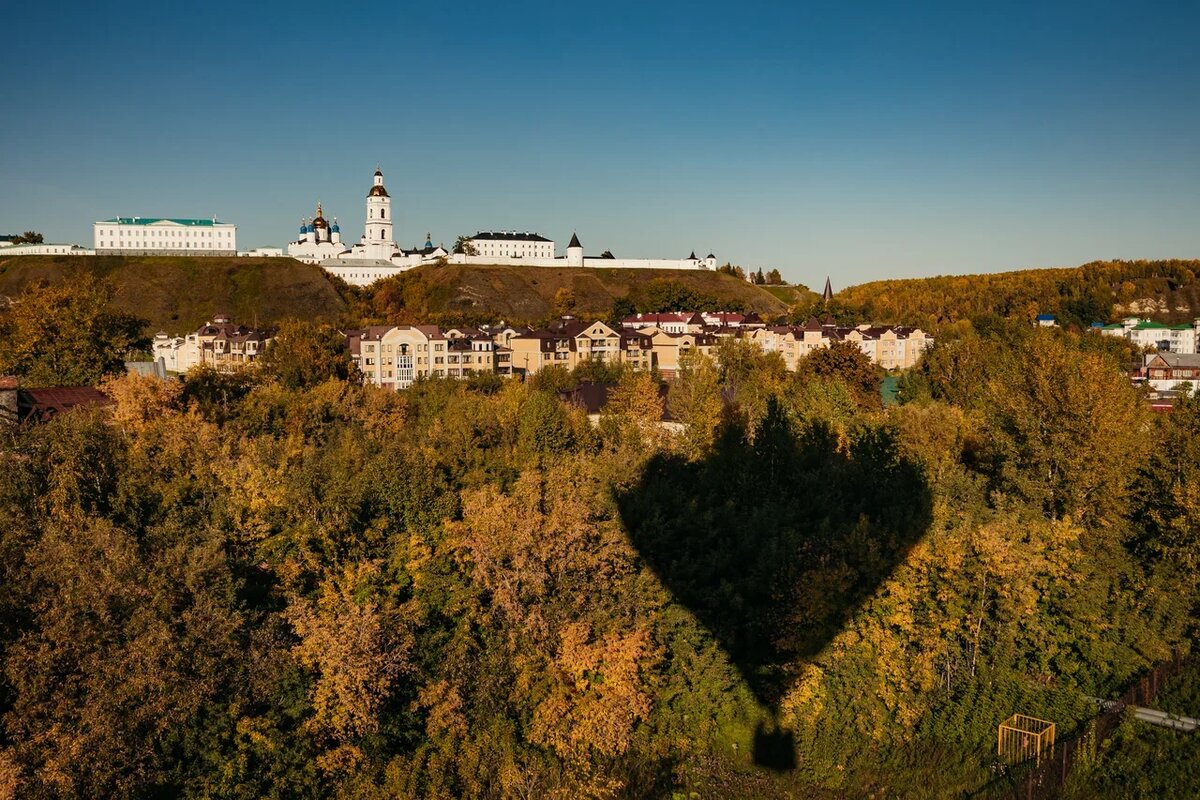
(379, 217)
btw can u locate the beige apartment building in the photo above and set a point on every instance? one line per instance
(890, 347)
(219, 343)
(395, 356)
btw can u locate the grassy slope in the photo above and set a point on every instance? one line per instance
(793, 294)
(528, 292)
(177, 294)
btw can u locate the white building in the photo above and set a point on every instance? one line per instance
(511, 244)
(517, 248)
(376, 256)
(148, 236)
(1154, 335)
(47, 249)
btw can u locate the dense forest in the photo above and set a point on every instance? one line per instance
(1100, 291)
(286, 584)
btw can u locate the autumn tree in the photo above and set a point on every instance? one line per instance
(844, 361)
(543, 425)
(1067, 431)
(66, 334)
(1168, 491)
(663, 294)
(304, 353)
(695, 401)
(564, 301)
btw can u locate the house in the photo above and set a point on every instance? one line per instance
(219, 343)
(1166, 371)
(22, 406)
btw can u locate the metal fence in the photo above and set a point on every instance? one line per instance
(1045, 780)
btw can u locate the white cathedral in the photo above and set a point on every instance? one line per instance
(376, 255)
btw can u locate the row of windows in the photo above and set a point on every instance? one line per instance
(170, 245)
(168, 233)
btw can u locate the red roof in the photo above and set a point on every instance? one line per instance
(41, 405)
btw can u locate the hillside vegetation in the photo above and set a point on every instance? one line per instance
(530, 294)
(177, 294)
(1102, 291)
(180, 293)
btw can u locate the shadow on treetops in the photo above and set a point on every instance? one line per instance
(774, 541)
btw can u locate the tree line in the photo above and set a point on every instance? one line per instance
(287, 584)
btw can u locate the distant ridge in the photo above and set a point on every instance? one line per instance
(178, 294)
(1099, 291)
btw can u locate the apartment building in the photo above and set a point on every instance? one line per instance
(395, 356)
(219, 343)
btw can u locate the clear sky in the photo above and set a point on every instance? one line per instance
(861, 140)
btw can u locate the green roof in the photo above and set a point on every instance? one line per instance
(151, 220)
(1158, 326)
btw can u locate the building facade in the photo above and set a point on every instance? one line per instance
(1166, 371)
(394, 356)
(376, 255)
(43, 249)
(148, 236)
(1147, 334)
(220, 344)
(510, 245)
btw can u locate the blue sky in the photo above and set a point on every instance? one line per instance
(857, 140)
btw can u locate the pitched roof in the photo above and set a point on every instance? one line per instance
(1174, 360)
(40, 405)
(575, 241)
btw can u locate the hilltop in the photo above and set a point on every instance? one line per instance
(1100, 291)
(528, 294)
(178, 294)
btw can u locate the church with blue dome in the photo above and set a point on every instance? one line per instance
(374, 256)
(319, 239)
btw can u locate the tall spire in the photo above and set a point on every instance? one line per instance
(827, 295)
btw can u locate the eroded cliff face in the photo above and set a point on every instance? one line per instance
(1176, 307)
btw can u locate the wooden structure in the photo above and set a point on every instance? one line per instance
(1022, 738)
